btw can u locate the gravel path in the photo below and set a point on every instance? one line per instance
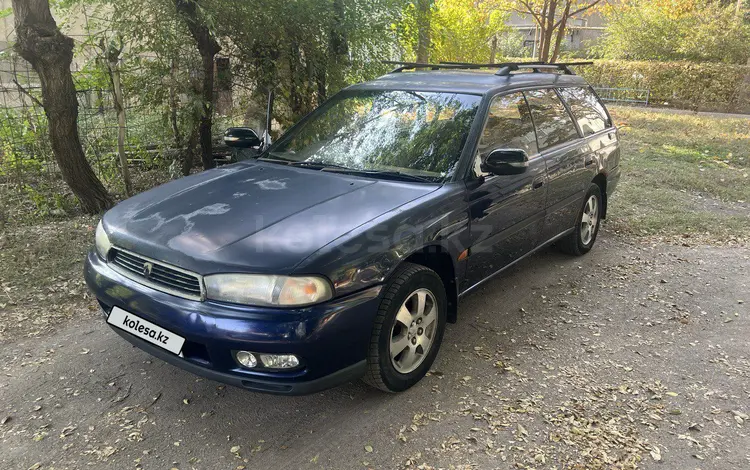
(632, 356)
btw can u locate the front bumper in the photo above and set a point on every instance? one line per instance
(331, 339)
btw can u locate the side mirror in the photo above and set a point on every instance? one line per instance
(506, 162)
(241, 137)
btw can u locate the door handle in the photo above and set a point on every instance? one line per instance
(537, 183)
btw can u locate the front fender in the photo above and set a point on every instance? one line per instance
(370, 254)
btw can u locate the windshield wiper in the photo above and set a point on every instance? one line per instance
(395, 175)
(319, 166)
(355, 171)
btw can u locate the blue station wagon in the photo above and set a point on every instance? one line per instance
(341, 250)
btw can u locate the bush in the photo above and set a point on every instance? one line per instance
(707, 31)
(687, 85)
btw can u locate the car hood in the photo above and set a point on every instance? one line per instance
(251, 216)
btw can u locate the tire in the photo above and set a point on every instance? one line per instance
(406, 287)
(582, 238)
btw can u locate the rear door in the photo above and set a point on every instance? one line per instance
(567, 157)
(595, 125)
(506, 211)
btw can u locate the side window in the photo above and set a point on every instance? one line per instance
(553, 122)
(509, 126)
(587, 109)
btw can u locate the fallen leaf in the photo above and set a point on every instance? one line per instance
(368, 448)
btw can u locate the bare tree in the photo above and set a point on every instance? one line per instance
(552, 17)
(50, 53)
(208, 47)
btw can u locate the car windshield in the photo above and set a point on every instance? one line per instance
(419, 134)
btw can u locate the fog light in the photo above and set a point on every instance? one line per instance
(279, 361)
(246, 359)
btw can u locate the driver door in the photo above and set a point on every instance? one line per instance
(506, 212)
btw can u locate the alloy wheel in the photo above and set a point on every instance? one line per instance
(589, 219)
(413, 331)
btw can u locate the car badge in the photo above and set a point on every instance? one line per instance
(147, 267)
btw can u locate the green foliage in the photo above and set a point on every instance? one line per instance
(679, 30)
(685, 85)
(460, 31)
(511, 44)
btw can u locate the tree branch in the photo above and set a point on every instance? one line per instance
(529, 10)
(26, 92)
(580, 10)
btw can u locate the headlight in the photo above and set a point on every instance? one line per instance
(102, 241)
(264, 290)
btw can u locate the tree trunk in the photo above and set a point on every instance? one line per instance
(547, 31)
(542, 22)
(337, 57)
(206, 122)
(114, 75)
(173, 104)
(561, 31)
(423, 30)
(295, 81)
(493, 49)
(208, 47)
(50, 53)
(189, 154)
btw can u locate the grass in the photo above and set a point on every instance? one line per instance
(684, 176)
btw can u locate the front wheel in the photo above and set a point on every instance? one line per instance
(582, 238)
(408, 329)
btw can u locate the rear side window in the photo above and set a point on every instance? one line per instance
(552, 121)
(587, 109)
(509, 126)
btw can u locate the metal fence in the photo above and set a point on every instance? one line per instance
(26, 156)
(631, 96)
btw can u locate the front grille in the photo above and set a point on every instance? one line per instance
(156, 274)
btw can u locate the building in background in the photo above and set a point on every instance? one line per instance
(582, 31)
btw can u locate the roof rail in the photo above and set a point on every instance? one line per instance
(419, 65)
(504, 68)
(539, 67)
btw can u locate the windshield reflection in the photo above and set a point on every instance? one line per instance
(417, 133)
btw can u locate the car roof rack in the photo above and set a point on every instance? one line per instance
(504, 68)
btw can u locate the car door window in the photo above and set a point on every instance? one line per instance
(587, 109)
(552, 121)
(509, 126)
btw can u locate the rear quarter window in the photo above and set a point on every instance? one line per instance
(587, 110)
(552, 121)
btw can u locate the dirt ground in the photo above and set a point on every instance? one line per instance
(635, 355)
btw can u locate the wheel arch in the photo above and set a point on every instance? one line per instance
(440, 260)
(601, 181)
